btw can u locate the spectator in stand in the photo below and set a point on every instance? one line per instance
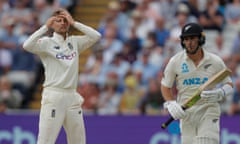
(120, 67)
(193, 6)
(127, 6)
(181, 18)
(9, 98)
(22, 13)
(182, 14)
(162, 33)
(141, 24)
(8, 37)
(168, 10)
(115, 15)
(129, 53)
(134, 41)
(152, 102)
(235, 50)
(90, 91)
(22, 70)
(44, 9)
(110, 44)
(151, 41)
(149, 9)
(67, 4)
(144, 69)
(109, 98)
(4, 8)
(226, 106)
(130, 99)
(95, 69)
(232, 12)
(23, 73)
(5, 60)
(211, 18)
(8, 41)
(235, 107)
(220, 49)
(157, 57)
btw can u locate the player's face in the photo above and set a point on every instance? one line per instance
(61, 25)
(191, 44)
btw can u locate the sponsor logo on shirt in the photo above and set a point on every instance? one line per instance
(195, 81)
(66, 57)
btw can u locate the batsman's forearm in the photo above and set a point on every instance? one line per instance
(167, 93)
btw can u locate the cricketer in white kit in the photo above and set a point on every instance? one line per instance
(61, 104)
(189, 69)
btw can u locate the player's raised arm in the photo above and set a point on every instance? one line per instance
(88, 31)
(33, 41)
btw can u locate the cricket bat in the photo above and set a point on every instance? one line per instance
(213, 81)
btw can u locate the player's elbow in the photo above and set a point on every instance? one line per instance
(25, 45)
(97, 36)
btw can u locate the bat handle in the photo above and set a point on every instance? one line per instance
(165, 125)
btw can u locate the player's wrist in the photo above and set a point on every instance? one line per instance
(175, 109)
(226, 90)
(166, 103)
(72, 23)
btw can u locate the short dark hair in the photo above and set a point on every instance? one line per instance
(58, 11)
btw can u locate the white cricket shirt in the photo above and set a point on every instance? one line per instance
(182, 71)
(60, 57)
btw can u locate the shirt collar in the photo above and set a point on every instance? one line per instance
(58, 37)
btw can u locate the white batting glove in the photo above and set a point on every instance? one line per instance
(213, 96)
(217, 95)
(174, 109)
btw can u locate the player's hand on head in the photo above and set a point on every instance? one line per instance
(68, 17)
(175, 109)
(50, 21)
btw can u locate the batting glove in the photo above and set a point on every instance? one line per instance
(217, 95)
(175, 109)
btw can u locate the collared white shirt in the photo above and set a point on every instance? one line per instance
(60, 57)
(188, 77)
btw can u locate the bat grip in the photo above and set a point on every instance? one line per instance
(165, 125)
(171, 119)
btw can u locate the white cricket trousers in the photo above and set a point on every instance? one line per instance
(61, 107)
(202, 124)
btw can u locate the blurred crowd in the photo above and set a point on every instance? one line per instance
(122, 74)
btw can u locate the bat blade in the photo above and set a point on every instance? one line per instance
(221, 75)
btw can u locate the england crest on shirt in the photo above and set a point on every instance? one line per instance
(70, 46)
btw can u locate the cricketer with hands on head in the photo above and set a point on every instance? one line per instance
(189, 69)
(59, 53)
